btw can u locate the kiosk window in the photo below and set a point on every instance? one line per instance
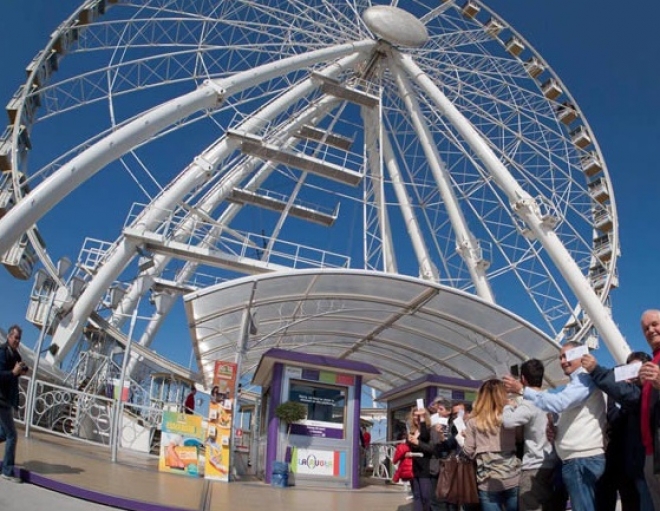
(325, 403)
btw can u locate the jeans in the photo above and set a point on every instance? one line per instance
(580, 477)
(8, 435)
(506, 500)
(421, 490)
(538, 491)
(645, 499)
(652, 481)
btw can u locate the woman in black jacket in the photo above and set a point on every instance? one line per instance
(419, 432)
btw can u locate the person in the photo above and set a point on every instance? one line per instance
(624, 455)
(580, 430)
(11, 368)
(494, 448)
(439, 431)
(366, 437)
(419, 420)
(649, 376)
(189, 403)
(461, 410)
(539, 461)
(215, 395)
(444, 442)
(404, 469)
(365, 442)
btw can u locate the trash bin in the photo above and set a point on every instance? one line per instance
(280, 475)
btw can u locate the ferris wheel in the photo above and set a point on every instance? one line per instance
(426, 138)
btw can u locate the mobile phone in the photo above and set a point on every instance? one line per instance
(515, 370)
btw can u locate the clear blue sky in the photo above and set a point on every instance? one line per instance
(606, 52)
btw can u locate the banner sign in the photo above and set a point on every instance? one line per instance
(218, 448)
(319, 463)
(319, 429)
(181, 443)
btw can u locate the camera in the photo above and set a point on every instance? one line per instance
(24, 367)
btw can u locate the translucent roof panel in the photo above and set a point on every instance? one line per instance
(405, 327)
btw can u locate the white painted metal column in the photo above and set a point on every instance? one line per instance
(426, 269)
(373, 130)
(466, 243)
(525, 206)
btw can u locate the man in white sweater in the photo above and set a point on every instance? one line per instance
(579, 439)
(537, 491)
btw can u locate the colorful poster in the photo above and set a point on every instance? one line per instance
(218, 438)
(181, 443)
(319, 463)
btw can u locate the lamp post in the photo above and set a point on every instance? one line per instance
(114, 432)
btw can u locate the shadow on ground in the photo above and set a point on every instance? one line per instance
(41, 467)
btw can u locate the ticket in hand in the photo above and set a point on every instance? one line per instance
(459, 423)
(436, 419)
(577, 352)
(628, 371)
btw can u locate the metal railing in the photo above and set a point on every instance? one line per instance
(86, 416)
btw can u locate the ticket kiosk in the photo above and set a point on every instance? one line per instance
(323, 449)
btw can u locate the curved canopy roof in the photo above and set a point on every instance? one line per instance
(405, 327)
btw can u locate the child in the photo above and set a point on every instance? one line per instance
(404, 472)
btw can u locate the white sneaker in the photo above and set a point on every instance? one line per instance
(12, 479)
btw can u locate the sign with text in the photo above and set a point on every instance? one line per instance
(221, 414)
(182, 439)
(319, 429)
(319, 463)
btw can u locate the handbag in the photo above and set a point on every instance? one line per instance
(446, 478)
(457, 483)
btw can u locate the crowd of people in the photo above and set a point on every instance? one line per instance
(591, 444)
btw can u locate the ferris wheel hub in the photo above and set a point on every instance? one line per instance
(395, 25)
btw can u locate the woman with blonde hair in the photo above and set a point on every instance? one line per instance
(419, 430)
(494, 449)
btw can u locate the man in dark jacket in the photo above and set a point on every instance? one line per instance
(624, 456)
(11, 368)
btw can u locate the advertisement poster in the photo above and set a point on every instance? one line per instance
(319, 463)
(181, 442)
(218, 448)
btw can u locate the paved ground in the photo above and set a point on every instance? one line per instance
(28, 497)
(62, 474)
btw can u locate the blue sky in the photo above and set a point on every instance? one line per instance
(605, 53)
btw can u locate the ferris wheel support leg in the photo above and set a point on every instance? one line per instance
(528, 210)
(151, 330)
(465, 239)
(72, 174)
(375, 195)
(427, 270)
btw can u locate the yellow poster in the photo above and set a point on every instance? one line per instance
(181, 443)
(218, 438)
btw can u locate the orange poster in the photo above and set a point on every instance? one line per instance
(180, 444)
(218, 438)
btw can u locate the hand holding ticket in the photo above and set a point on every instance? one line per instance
(628, 371)
(577, 352)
